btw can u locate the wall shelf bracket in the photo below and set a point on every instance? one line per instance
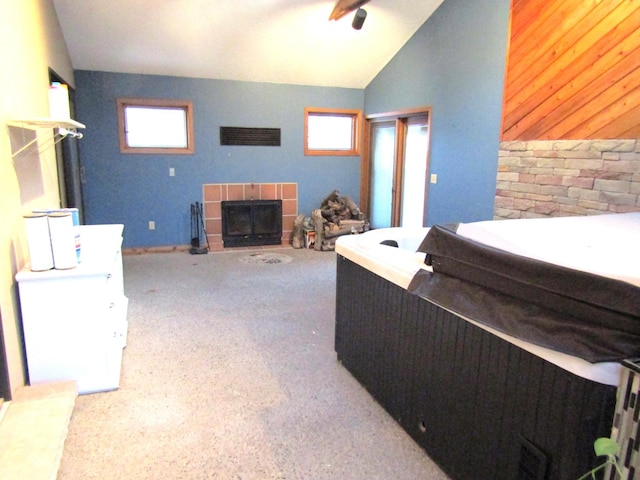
(62, 128)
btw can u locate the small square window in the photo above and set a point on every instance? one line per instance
(155, 126)
(332, 131)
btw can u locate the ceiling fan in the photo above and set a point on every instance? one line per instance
(344, 7)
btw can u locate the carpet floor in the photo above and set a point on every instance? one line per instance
(230, 373)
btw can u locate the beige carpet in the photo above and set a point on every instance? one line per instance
(230, 373)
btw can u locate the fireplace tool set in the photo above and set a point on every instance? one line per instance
(197, 230)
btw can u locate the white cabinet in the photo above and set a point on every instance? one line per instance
(75, 321)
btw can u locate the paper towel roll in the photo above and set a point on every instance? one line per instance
(75, 215)
(59, 101)
(63, 240)
(39, 242)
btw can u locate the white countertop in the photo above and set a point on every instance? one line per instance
(94, 241)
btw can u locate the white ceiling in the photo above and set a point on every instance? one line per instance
(277, 41)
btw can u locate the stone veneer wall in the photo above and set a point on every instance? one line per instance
(567, 178)
(215, 193)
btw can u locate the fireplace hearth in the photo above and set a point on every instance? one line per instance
(248, 223)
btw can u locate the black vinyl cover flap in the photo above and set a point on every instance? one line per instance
(582, 314)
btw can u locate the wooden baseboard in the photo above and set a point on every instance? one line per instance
(185, 248)
(164, 249)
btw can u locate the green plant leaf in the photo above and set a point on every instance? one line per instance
(605, 446)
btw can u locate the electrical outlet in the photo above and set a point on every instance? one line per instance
(152, 225)
(172, 172)
(434, 178)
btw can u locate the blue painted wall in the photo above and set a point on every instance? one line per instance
(134, 189)
(455, 63)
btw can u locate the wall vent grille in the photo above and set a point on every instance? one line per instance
(249, 136)
(533, 462)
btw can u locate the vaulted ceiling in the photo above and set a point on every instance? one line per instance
(277, 41)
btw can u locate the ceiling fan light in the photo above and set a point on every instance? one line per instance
(358, 18)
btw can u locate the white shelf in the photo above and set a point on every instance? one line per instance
(46, 123)
(64, 126)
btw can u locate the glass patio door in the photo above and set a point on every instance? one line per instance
(414, 173)
(383, 158)
(397, 167)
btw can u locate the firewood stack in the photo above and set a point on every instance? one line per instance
(338, 215)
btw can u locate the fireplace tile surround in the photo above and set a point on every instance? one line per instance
(215, 193)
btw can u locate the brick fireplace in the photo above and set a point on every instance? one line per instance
(215, 193)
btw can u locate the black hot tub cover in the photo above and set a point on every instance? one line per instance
(578, 313)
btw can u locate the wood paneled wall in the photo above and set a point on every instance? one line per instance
(573, 70)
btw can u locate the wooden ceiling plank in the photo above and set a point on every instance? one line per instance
(560, 122)
(546, 24)
(568, 45)
(555, 38)
(527, 15)
(607, 115)
(633, 132)
(605, 36)
(627, 123)
(612, 67)
(570, 111)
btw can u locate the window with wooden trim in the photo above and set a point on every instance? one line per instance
(331, 131)
(155, 126)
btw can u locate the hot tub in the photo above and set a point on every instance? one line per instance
(482, 403)
(397, 264)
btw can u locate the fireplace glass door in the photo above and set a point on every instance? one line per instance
(251, 222)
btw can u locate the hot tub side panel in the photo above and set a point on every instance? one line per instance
(481, 407)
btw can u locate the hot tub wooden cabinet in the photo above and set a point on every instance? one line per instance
(480, 406)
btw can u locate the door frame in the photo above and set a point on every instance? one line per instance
(401, 118)
(5, 384)
(69, 165)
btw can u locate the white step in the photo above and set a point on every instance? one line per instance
(33, 430)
